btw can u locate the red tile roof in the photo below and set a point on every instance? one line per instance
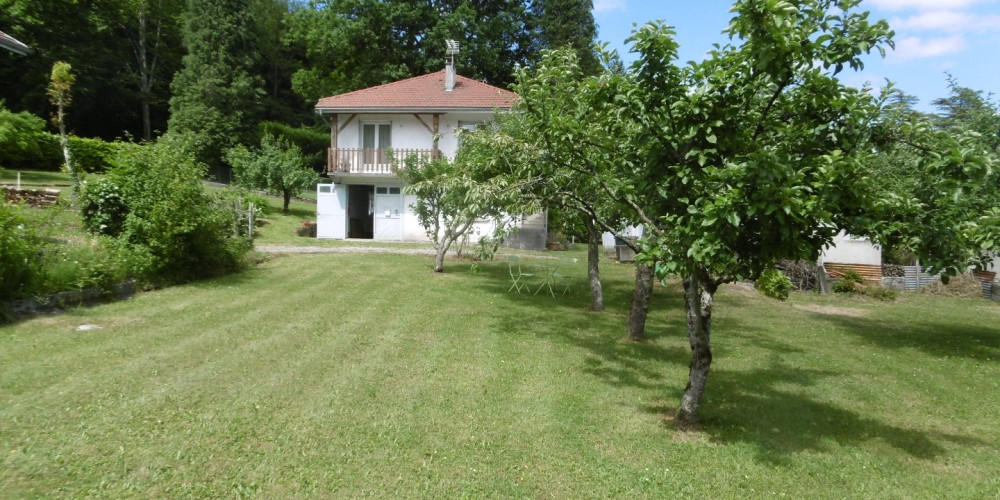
(422, 93)
(12, 44)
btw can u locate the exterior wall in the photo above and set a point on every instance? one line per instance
(847, 249)
(408, 133)
(608, 239)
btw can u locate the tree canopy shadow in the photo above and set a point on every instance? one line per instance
(760, 408)
(935, 338)
(566, 319)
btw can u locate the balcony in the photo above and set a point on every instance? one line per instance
(369, 161)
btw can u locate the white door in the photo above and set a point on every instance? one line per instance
(331, 215)
(388, 213)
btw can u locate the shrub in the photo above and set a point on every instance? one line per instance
(176, 232)
(236, 201)
(772, 283)
(844, 286)
(19, 267)
(312, 140)
(24, 143)
(102, 207)
(93, 155)
(851, 282)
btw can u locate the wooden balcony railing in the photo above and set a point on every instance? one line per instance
(369, 161)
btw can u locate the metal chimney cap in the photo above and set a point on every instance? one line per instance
(452, 47)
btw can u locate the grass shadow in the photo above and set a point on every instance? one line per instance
(759, 408)
(601, 335)
(936, 338)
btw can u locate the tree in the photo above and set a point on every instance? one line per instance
(215, 95)
(735, 162)
(278, 168)
(556, 138)
(568, 24)
(88, 36)
(59, 94)
(151, 26)
(938, 190)
(453, 194)
(354, 44)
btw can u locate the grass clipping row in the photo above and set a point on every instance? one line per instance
(963, 285)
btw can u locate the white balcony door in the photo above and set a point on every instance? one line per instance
(376, 138)
(388, 213)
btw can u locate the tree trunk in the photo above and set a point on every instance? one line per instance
(644, 274)
(439, 259)
(699, 293)
(147, 128)
(593, 271)
(288, 199)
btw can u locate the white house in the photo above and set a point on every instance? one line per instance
(417, 116)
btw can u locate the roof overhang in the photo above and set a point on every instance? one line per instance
(12, 44)
(377, 110)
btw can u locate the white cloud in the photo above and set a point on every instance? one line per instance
(608, 5)
(924, 4)
(919, 48)
(946, 20)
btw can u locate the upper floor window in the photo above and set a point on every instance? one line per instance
(376, 135)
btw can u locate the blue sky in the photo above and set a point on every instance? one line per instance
(932, 36)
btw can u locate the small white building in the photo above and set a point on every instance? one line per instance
(417, 116)
(848, 249)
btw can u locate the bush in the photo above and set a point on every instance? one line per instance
(102, 207)
(20, 271)
(312, 140)
(93, 155)
(772, 283)
(851, 282)
(236, 201)
(854, 283)
(24, 143)
(172, 225)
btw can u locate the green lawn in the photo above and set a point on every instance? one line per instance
(348, 375)
(34, 179)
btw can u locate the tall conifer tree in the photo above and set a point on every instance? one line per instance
(214, 93)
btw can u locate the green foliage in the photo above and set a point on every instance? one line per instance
(237, 201)
(354, 44)
(453, 195)
(851, 282)
(881, 293)
(24, 142)
(568, 24)
(102, 208)
(214, 93)
(93, 155)
(19, 268)
(939, 183)
(308, 139)
(731, 164)
(172, 226)
(278, 168)
(773, 283)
